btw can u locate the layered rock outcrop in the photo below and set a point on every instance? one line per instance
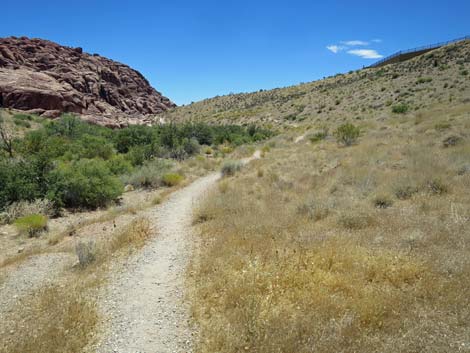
(48, 79)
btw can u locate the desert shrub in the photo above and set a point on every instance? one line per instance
(437, 186)
(86, 253)
(27, 208)
(208, 150)
(172, 179)
(421, 80)
(138, 155)
(136, 135)
(18, 181)
(119, 165)
(405, 191)
(31, 225)
(451, 141)
(319, 135)
(149, 175)
(347, 134)
(87, 183)
(382, 201)
(400, 108)
(229, 168)
(226, 149)
(191, 146)
(95, 147)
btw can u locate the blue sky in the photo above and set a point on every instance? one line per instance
(191, 50)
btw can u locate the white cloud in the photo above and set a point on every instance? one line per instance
(334, 48)
(353, 43)
(376, 40)
(365, 53)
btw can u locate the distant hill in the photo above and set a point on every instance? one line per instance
(438, 77)
(46, 78)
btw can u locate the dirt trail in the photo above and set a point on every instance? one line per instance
(144, 303)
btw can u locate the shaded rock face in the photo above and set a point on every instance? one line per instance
(46, 78)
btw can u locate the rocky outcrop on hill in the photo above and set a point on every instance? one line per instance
(46, 78)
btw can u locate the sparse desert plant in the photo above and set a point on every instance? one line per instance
(405, 191)
(157, 200)
(86, 253)
(172, 179)
(319, 135)
(229, 168)
(347, 134)
(31, 225)
(149, 175)
(451, 141)
(437, 186)
(382, 201)
(25, 208)
(401, 108)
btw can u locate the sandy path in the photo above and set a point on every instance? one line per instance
(144, 303)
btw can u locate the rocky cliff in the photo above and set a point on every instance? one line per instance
(46, 78)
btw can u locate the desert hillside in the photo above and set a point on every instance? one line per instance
(438, 78)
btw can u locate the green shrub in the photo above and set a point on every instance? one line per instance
(172, 179)
(87, 183)
(229, 168)
(18, 181)
(119, 165)
(31, 225)
(421, 80)
(347, 134)
(401, 108)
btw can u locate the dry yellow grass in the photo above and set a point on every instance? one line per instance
(59, 318)
(302, 257)
(63, 317)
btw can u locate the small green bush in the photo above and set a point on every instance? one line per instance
(400, 108)
(421, 80)
(172, 179)
(31, 225)
(230, 168)
(347, 134)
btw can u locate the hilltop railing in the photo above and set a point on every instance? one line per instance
(418, 49)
